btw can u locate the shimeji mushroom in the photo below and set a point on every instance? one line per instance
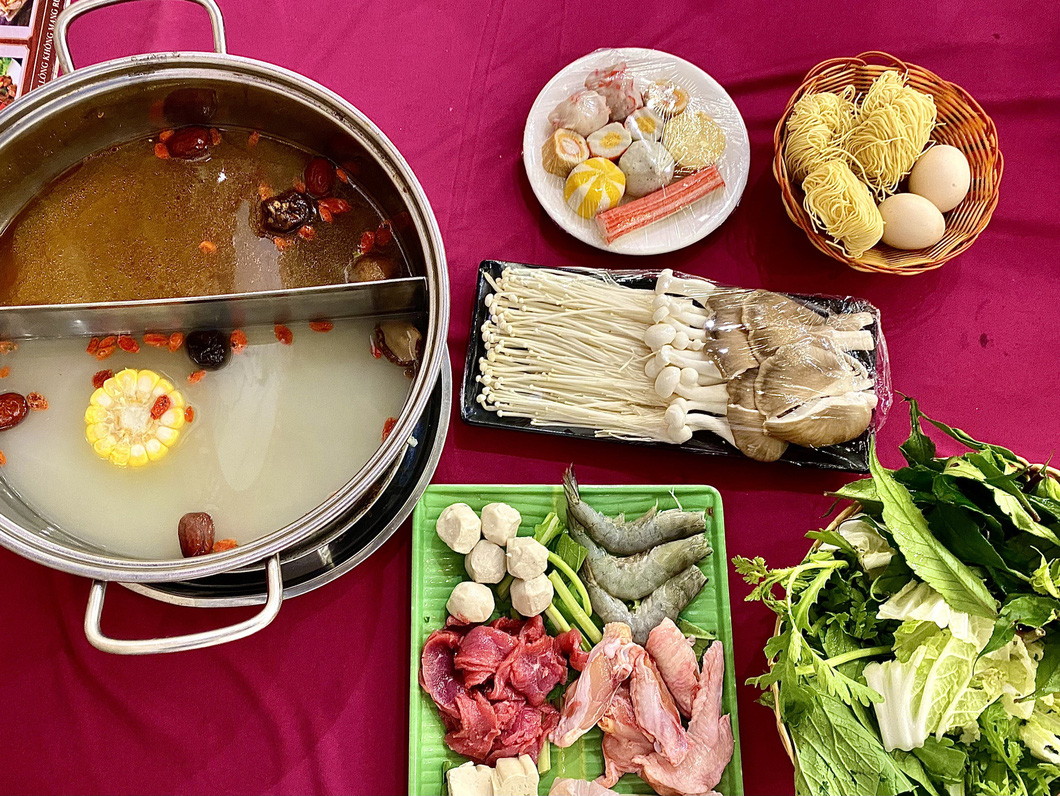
(681, 424)
(707, 399)
(694, 288)
(677, 335)
(706, 368)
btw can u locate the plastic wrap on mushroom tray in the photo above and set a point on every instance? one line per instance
(636, 151)
(655, 357)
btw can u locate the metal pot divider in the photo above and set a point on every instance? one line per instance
(87, 110)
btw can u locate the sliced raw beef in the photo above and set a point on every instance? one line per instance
(536, 668)
(478, 727)
(438, 675)
(533, 629)
(570, 644)
(481, 652)
(507, 624)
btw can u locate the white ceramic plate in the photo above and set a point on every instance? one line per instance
(689, 224)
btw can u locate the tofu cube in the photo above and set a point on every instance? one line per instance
(471, 602)
(531, 597)
(485, 563)
(515, 776)
(526, 557)
(459, 527)
(470, 780)
(500, 522)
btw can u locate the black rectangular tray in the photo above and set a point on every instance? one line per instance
(852, 456)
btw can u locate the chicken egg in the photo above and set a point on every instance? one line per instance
(942, 176)
(911, 222)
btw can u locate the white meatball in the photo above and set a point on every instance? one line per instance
(500, 522)
(485, 563)
(527, 557)
(459, 527)
(471, 602)
(531, 597)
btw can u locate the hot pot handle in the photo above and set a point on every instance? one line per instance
(207, 638)
(74, 10)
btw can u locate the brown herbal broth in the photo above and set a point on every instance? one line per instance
(126, 225)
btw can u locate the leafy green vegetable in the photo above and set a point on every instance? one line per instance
(936, 565)
(702, 637)
(942, 759)
(1041, 733)
(1028, 610)
(572, 553)
(839, 755)
(919, 448)
(1046, 578)
(1047, 678)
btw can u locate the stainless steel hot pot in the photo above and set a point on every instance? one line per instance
(86, 111)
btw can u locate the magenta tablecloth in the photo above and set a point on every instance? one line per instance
(318, 701)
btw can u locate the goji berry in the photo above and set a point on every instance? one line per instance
(100, 377)
(196, 377)
(221, 545)
(334, 205)
(7, 346)
(283, 334)
(307, 232)
(126, 343)
(325, 215)
(299, 186)
(215, 136)
(342, 175)
(161, 151)
(321, 326)
(156, 340)
(5, 371)
(108, 341)
(93, 345)
(388, 427)
(281, 244)
(239, 341)
(165, 135)
(103, 352)
(207, 247)
(253, 138)
(367, 242)
(176, 340)
(189, 415)
(37, 402)
(383, 236)
(160, 407)
(3, 459)
(264, 192)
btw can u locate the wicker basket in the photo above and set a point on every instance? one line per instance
(847, 513)
(961, 123)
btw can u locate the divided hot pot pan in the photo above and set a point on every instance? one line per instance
(91, 109)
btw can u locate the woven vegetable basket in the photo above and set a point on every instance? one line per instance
(847, 513)
(961, 123)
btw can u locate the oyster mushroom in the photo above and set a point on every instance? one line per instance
(400, 342)
(727, 340)
(825, 421)
(746, 422)
(773, 321)
(801, 372)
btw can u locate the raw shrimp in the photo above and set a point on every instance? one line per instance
(625, 538)
(666, 601)
(636, 576)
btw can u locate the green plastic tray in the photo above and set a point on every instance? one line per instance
(436, 570)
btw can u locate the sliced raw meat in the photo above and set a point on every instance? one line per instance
(709, 734)
(481, 652)
(536, 669)
(438, 675)
(610, 663)
(656, 712)
(507, 710)
(534, 731)
(478, 727)
(570, 644)
(676, 660)
(623, 739)
(533, 629)
(507, 624)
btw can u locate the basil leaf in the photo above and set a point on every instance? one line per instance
(919, 448)
(926, 556)
(1047, 678)
(1029, 610)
